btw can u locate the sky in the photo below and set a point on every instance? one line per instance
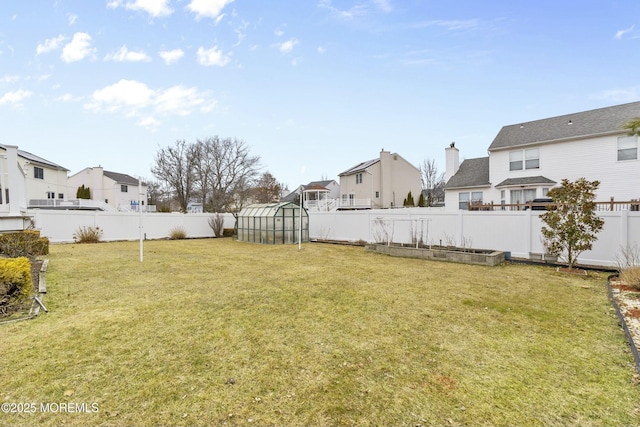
(313, 87)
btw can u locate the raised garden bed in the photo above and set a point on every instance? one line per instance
(440, 253)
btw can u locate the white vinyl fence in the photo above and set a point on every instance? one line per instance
(59, 226)
(517, 232)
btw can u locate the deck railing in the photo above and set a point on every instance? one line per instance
(610, 206)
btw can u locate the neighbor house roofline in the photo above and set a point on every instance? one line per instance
(568, 127)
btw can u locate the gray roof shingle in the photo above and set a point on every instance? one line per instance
(121, 178)
(36, 159)
(472, 173)
(527, 180)
(601, 121)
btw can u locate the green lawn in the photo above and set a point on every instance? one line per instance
(218, 332)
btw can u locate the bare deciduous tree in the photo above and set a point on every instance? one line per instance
(218, 171)
(233, 170)
(432, 181)
(174, 166)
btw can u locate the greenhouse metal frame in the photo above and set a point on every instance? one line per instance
(273, 223)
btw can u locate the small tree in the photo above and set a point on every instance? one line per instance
(409, 200)
(572, 224)
(83, 192)
(421, 201)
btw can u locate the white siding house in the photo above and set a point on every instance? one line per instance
(120, 191)
(43, 182)
(379, 183)
(527, 159)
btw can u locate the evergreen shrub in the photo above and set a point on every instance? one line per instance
(15, 281)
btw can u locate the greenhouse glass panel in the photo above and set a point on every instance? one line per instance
(273, 223)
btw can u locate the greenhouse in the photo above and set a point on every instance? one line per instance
(273, 223)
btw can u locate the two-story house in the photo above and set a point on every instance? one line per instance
(39, 182)
(527, 159)
(379, 183)
(118, 190)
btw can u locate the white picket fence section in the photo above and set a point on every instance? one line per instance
(517, 232)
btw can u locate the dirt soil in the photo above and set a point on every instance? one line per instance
(628, 299)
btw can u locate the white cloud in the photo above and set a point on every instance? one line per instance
(621, 33)
(149, 122)
(134, 99)
(72, 18)
(321, 50)
(624, 95)
(171, 56)
(383, 5)
(67, 97)
(50, 44)
(126, 95)
(278, 32)
(213, 56)
(208, 8)
(125, 55)
(15, 98)
(155, 8)
(179, 100)
(451, 25)
(78, 48)
(287, 46)
(9, 79)
(354, 12)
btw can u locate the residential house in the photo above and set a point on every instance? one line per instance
(379, 183)
(118, 190)
(316, 195)
(527, 159)
(40, 182)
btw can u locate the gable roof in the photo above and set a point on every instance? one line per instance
(121, 178)
(36, 159)
(324, 183)
(602, 121)
(359, 167)
(472, 173)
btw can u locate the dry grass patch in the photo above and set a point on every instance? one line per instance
(218, 332)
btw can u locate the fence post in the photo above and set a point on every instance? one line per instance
(528, 227)
(611, 205)
(624, 228)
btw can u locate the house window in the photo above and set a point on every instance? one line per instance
(515, 161)
(474, 197)
(463, 201)
(38, 173)
(51, 195)
(531, 157)
(358, 178)
(522, 196)
(60, 196)
(124, 188)
(545, 192)
(377, 194)
(627, 148)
